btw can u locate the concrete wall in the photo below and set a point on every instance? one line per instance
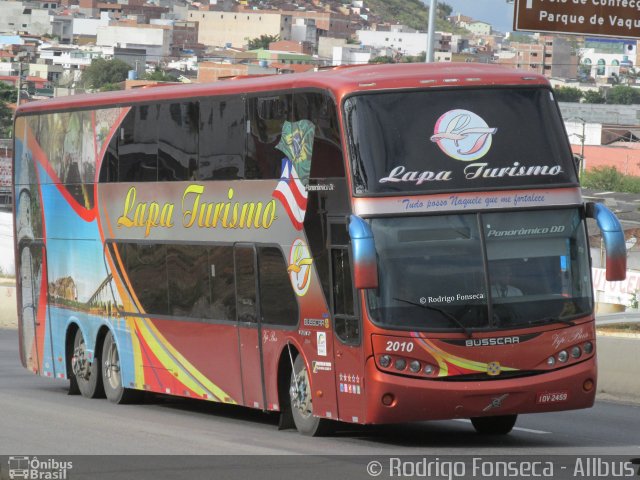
(216, 29)
(8, 313)
(618, 361)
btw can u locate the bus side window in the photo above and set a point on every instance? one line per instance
(138, 145)
(277, 298)
(109, 168)
(326, 155)
(147, 271)
(247, 308)
(266, 118)
(222, 140)
(178, 141)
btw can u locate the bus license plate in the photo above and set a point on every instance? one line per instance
(552, 397)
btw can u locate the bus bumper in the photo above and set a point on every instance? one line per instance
(416, 399)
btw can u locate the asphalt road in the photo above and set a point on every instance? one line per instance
(37, 417)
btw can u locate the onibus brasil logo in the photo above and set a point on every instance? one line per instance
(463, 135)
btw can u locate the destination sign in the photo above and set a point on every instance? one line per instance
(609, 18)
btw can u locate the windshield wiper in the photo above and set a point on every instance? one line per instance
(446, 314)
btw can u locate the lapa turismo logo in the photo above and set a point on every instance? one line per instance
(38, 469)
(463, 135)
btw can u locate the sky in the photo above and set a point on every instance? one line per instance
(496, 12)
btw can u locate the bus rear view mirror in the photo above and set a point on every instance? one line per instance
(365, 268)
(613, 238)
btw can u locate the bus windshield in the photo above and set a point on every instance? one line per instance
(480, 270)
(467, 139)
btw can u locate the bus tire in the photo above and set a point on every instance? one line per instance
(86, 374)
(73, 381)
(112, 377)
(301, 407)
(499, 425)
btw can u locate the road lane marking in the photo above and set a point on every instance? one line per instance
(520, 429)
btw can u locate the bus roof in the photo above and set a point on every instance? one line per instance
(340, 80)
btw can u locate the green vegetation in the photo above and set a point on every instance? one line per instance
(620, 328)
(8, 94)
(382, 60)
(104, 74)
(159, 76)
(405, 59)
(413, 13)
(610, 179)
(6, 120)
(617, 95)
(568, 94)
(593, 96)
(262, 41)
(623, 95)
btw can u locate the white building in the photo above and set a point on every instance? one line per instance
(606, 57)
(304, 30)
(357, 55)
(155, 39)
(407, 43)
(72, 58)
(87, 27)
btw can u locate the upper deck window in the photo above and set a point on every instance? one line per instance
(456, 140)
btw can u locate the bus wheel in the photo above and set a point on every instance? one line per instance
(301, 408)
(111, 375)
(500, 425)
(86, 373)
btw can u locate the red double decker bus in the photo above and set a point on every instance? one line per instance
(370, 245)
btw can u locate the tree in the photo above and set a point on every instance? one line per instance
(8, 93)
(594, 96)
(6, 120)
(414, 58)
(262, 41)
(383, 59)
(104, 74)
(623, 95)
(568, 94)
(159, 76)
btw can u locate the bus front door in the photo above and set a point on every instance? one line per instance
(249, 327)
(349, 357)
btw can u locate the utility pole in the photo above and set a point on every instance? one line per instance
(431, 33)
(19, 83)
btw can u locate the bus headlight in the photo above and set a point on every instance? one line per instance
(588, 347)
(563, 356)
(429, 369)
(414, 366)
(401, 363)
(385, 361)
(551, 361)
(576, 352)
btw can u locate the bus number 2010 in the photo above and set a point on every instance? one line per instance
(399, 346)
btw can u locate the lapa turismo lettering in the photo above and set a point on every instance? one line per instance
(196, 212)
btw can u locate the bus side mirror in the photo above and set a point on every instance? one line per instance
(613, 237)
(365, 267)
